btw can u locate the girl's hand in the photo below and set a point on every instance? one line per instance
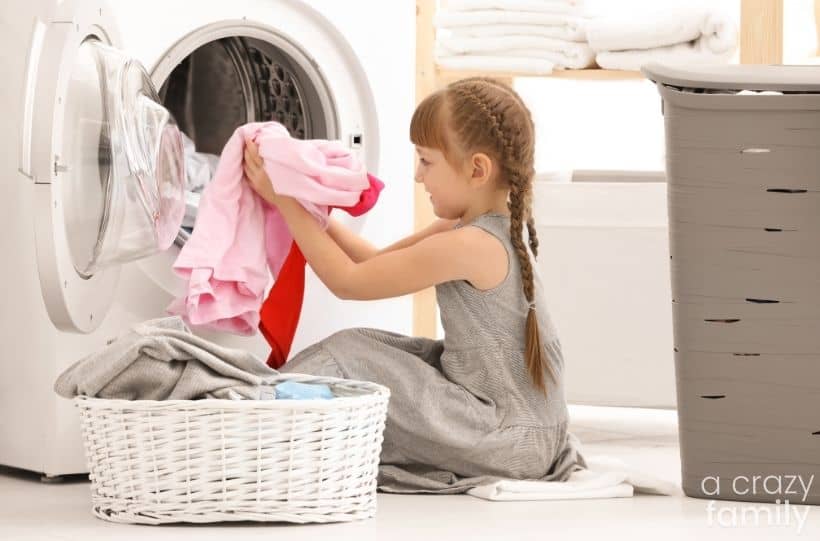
(255, 173)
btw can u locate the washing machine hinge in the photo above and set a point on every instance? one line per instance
(59, 167)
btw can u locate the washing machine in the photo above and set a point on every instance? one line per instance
(96, 96)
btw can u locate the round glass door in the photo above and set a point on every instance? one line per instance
(123, 184)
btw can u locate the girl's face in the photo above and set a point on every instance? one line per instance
(449, 189)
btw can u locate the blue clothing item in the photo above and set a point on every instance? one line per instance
(302, 391)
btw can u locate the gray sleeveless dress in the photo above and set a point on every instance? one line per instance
(462, 411)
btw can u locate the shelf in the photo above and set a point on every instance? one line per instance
(584, 74)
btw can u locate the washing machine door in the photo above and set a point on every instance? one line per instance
(106, 160)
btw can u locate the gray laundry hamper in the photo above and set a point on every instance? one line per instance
(743, 174)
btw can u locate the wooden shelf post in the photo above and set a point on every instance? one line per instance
(424, 302)
(761, 32)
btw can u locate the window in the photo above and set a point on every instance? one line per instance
(800, 32)
(598, 125)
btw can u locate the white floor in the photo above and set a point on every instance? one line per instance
(644, 438)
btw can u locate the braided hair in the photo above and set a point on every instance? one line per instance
(481, 114)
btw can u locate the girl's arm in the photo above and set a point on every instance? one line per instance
(356, 248)
(359, 249)
(410, 265)
(438, 258)
(439, 226)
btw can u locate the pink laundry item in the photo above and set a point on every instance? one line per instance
(238, 236)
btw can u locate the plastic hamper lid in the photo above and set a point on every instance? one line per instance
(784, 78)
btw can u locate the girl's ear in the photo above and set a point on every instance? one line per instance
(482, 167)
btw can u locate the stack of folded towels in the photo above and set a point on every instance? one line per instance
(537, 36)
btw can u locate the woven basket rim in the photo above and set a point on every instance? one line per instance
(375, 391)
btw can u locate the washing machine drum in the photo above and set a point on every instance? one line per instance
(227, 82)
(125, 200)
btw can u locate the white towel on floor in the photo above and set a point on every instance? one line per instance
(569, 32)
(605, 477)
(672, 25)
(534, 66)
(564, 54)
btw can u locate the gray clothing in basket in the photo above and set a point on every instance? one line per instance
(161, 359)
(462, 411)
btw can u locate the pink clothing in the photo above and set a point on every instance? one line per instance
(238, 236)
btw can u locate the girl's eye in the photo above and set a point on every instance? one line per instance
(424, 162)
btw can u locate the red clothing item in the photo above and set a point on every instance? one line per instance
(280, 312)
(279, 315)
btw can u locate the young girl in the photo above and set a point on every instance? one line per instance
(487, 401)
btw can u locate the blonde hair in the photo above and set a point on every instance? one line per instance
(481, 114)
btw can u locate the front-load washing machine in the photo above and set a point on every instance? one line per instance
(96, 98)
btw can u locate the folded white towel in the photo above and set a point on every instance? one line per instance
(559, 60)
(580, 8)
(564, 54)
(569, 32)
(696, 52)
(534, 66)
(546, 6)
(604, 477)
(718, 34)
(467, 45)
(656, 28)
(451, 19)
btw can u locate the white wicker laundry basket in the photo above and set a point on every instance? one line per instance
(153, 462)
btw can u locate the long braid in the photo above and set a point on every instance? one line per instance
(527, 185)
(533, 237)
(531, 232)
(516, 164)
